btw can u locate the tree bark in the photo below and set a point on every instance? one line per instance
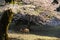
(4, 24)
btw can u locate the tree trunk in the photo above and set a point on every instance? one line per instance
(4, 24)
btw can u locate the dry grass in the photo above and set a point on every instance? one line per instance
(15, 36)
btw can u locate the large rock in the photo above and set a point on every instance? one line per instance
(45, 18)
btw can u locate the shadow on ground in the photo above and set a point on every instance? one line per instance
(13, 39)
(47, 31)
(44, 31)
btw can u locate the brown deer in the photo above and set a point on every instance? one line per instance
(24, 30)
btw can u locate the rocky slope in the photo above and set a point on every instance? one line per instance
(38, 11)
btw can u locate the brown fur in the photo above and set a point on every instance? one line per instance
(25, 30)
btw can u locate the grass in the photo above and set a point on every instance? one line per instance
(31, 37)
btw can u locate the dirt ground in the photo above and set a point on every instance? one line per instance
(19, 36)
